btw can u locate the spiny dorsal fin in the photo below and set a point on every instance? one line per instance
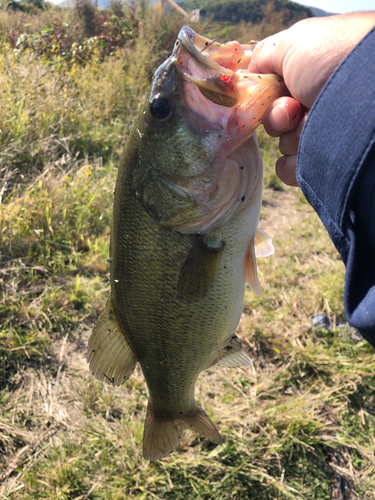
(110, 357)
(199, 269)
(162, 433)
(263, 244)
(251, 270)
(233, 354)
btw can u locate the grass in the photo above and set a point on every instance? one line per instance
(300, 424)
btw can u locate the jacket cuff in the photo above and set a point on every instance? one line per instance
(337, 138)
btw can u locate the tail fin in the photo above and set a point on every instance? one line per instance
(198, 421)
(162, 433)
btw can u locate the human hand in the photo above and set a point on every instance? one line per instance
(306, 55)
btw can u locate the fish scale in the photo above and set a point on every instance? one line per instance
(152, 307)
(184, 235)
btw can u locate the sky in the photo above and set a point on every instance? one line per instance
(334, 6)
(340, 6)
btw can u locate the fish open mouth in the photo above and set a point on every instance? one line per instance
(223, 103)
(220, 73)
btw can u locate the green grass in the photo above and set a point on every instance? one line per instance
(302, 417)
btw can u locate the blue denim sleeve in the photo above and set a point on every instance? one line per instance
(336, 172)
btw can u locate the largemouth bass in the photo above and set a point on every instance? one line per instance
(184, 234)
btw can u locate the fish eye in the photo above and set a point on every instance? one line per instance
(160, 107)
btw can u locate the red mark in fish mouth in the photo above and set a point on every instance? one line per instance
(225, 78)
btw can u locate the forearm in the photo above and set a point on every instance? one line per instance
(336, 172)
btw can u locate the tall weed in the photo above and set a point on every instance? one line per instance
(49, 110)
(39, 111)
(13, 23)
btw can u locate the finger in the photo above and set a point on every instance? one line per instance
(265, 59)
(282, 115)
(289, 142)
(286, 167)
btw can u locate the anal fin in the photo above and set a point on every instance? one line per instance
(233, 354)
(162, 433)
(110, 357)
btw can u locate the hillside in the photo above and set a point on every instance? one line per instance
(253, 11)
(320, 12)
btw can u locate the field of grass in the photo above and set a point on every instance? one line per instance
(300, 424)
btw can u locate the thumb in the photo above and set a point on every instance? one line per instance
(268, 55)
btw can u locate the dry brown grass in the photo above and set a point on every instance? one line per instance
(299, 424)
(65, 435)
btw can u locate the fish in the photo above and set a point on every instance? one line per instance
(184, 234)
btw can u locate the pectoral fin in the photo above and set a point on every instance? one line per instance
(263, 244)
(233, 354)
(110, 357)
(200, 269)
(251, 270)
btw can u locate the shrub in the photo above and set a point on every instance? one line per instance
(60, 41)
(60, 99)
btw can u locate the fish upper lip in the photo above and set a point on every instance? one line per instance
(189, 39)
(195, 44)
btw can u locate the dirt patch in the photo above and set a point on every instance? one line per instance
(279, 211)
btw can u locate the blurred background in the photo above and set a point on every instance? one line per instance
(300, 424)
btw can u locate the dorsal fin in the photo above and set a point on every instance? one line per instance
(110, 357)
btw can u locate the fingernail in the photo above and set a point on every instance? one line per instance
(291, 162)
(286, 169)
(279, 118)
